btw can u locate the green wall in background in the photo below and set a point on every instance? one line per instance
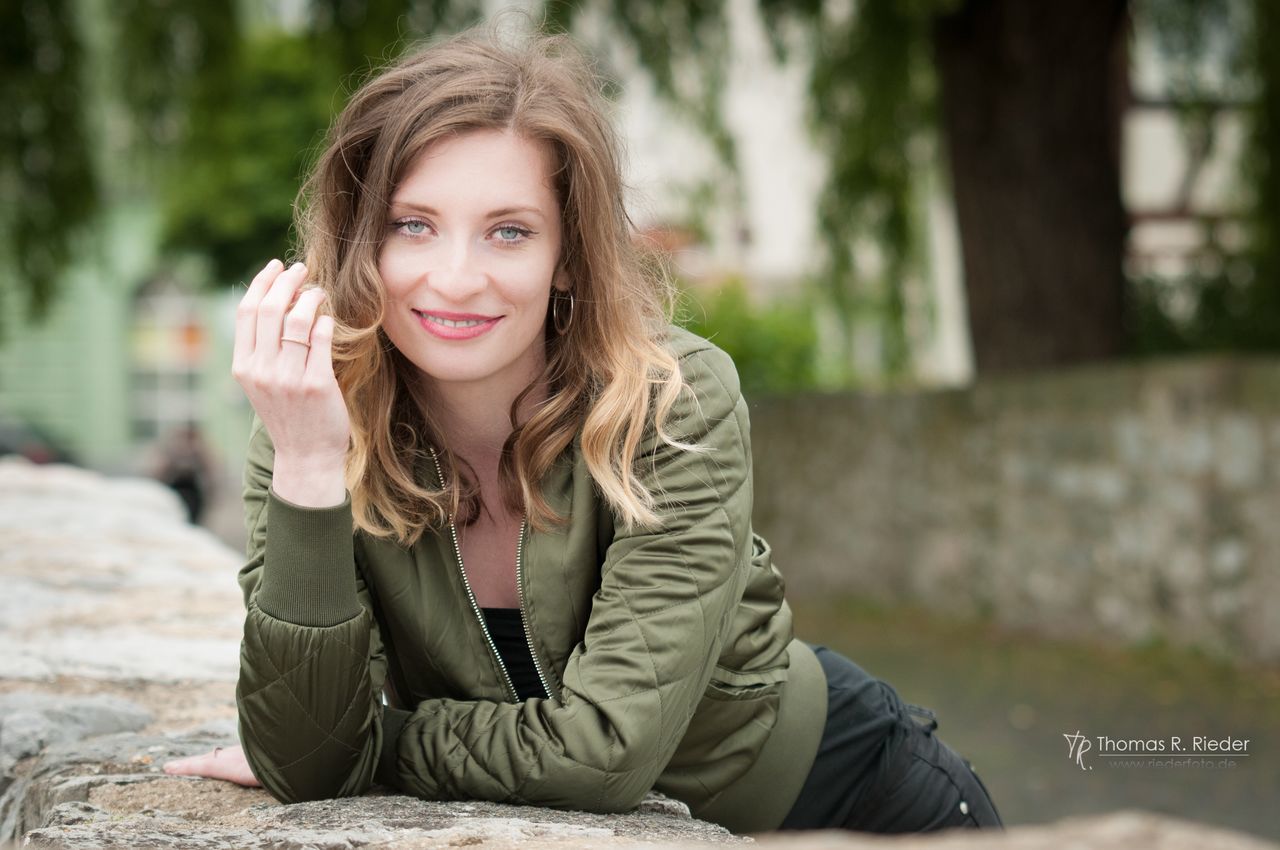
(71, 374)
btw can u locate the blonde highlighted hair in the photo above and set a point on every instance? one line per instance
(609, 377)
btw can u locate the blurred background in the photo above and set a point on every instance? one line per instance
(1000, 278)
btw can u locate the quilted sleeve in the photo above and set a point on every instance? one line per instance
(312, 662)
(656, 628)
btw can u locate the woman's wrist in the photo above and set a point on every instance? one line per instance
(309, 482)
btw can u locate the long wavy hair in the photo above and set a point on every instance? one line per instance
(610, 377)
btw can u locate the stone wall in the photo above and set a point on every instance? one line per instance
(1127, 502)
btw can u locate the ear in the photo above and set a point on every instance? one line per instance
(560, 280)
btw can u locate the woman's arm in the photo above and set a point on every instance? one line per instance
(309, 661)
(312, 661)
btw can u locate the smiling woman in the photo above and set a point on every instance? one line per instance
(499, 508)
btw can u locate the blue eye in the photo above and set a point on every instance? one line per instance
(409, 226)
(510, 233)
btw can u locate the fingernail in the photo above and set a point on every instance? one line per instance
(275, 264)
(298, 265)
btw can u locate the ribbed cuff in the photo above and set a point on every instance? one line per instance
(393, 721)
(308, 573)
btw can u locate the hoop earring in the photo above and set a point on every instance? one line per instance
(561, 324)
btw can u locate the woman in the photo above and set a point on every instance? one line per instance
(505, 494)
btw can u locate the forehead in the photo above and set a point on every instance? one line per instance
(480, 166)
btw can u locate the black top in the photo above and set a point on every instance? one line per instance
(507, 631)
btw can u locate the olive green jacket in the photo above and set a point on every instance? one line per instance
(668, 655)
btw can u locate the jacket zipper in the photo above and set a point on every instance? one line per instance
(475, 606)
(524, 621)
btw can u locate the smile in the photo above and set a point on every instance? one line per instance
(455, 326)
(452, 323)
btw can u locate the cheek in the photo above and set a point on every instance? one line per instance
(538, 315)
(396, 272)
(524, 285)
(536, 299)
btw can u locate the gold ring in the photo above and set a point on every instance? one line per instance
(298, 341)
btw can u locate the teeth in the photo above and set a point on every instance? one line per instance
(450, 323)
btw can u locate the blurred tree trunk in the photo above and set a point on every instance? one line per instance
(1032, 98)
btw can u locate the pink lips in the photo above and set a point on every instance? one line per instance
(447, 325)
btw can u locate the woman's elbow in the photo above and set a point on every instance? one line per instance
(620, 791)
(621, 801)
(312, 778)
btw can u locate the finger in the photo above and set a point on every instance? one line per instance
(189, 766)
(320, 363)
(298, 326)
(247, 310)
(275, 303)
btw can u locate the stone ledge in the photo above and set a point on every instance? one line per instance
(1123, 830)
(109, 792)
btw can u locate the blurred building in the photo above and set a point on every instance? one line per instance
(1182, 175)
(130, 354)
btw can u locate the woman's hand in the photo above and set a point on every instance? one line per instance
(226, 763)
(283, 361)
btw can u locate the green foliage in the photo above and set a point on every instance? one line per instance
(221, 112)
(872, 96)
(1185, 32)
(164, 53)
(683, 44)
(253, 128)
(872, 110)
(231, 186)
(774, 346)
(1200, 312)
(49, 188)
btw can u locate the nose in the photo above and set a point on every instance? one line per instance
(458, 275)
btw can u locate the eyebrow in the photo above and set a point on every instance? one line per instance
(423, 208)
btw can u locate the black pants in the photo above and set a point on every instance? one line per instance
(879, 769)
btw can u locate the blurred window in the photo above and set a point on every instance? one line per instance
(168, 342)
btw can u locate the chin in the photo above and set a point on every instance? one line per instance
(458, 375)
(460, 369)
(466, 364)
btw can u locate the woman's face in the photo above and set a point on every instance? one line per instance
(470, 256)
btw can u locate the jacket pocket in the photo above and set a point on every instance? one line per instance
(733, 721)
(729, 684)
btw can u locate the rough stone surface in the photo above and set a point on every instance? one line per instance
(104, 579)
(1125, 830)
(29, 722)
(1127, 503)
(68, 771)
(110, 793)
